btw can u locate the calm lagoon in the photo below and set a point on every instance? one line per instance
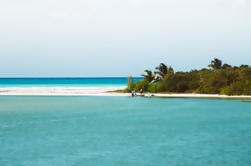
(112, 131)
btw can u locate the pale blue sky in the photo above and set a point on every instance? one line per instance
(120, 38)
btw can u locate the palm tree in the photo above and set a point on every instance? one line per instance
(216, 64)
(148, 76)
(163, 70)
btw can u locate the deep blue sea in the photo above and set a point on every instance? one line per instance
(124, 131)
(66, 82)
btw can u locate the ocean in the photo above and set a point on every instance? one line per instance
(124, 131)
(65, 82)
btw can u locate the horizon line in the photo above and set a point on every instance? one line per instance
(74, 77)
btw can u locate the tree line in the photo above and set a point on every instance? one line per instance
(218, 78)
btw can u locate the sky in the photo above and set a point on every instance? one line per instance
(98, 38)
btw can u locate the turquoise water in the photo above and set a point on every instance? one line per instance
(124, 131)
(66, 82)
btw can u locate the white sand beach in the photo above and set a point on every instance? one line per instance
(64, 91)
(94, 91)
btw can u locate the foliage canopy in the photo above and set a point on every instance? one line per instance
(219, 78)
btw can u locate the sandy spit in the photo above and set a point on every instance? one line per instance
(94, 91)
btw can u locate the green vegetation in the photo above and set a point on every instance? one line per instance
(219, 78)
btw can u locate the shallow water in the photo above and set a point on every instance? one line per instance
(93, 131)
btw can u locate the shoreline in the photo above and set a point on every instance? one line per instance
(64, 91)
(98, 91)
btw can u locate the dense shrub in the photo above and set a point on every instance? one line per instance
(142, 84)
(220, 79)
(130, 85)
(153, 88)
(238, 88)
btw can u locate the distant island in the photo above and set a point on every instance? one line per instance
(218, 78)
